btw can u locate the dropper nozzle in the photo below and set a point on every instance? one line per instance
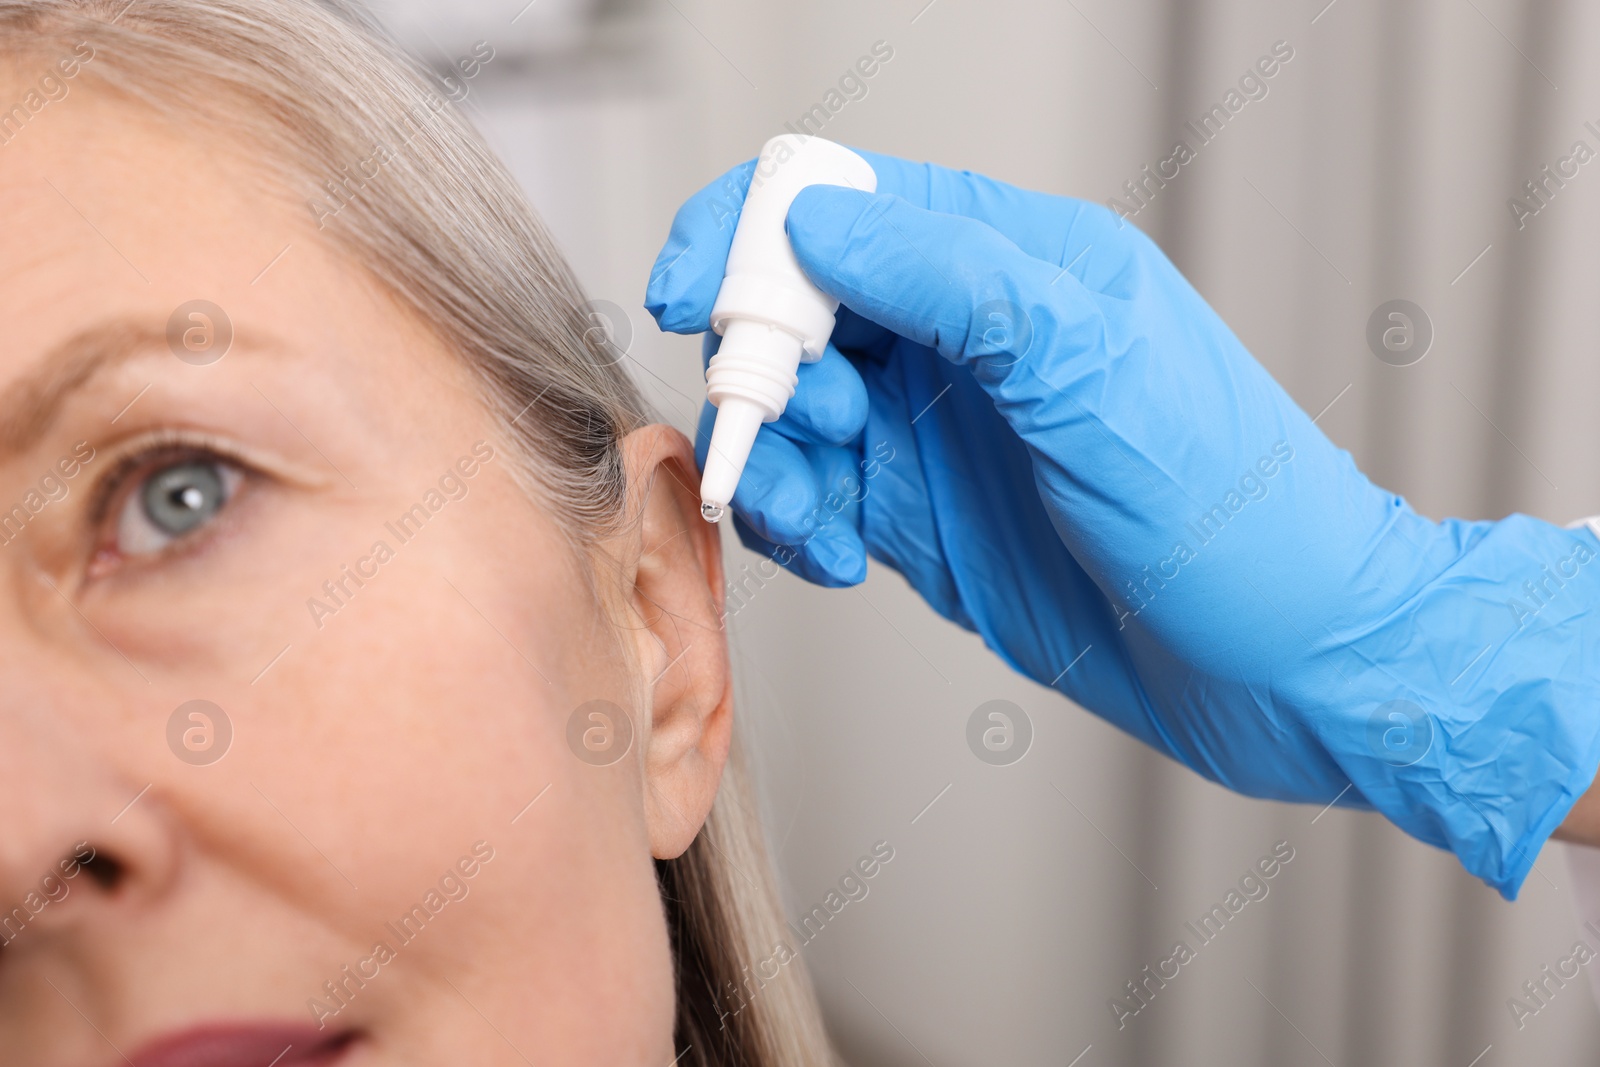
(739, 419)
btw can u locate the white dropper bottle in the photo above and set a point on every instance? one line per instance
(770, 316)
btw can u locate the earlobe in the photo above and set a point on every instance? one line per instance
(676, 596)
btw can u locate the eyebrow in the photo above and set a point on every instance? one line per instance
(32, 403)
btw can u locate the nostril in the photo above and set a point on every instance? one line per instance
(107, 871)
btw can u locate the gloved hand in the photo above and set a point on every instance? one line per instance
(1257, 608)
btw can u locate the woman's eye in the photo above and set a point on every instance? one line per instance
(171, 501)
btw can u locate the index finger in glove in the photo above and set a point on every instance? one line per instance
(688, 271)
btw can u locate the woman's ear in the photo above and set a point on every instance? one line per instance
(673, 579)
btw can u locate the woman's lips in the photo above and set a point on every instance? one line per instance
(223, 1045)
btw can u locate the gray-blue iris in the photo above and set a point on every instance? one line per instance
(183, 496)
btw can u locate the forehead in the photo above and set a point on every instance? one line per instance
(110, 211)
(129, 198)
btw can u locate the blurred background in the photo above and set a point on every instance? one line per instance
(1380, 165)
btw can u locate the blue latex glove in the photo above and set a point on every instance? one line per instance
(1084, 454)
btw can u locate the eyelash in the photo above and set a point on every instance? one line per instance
(150, 454)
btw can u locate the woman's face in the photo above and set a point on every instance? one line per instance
(373, 843)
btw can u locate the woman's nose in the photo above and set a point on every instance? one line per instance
(76, 834)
